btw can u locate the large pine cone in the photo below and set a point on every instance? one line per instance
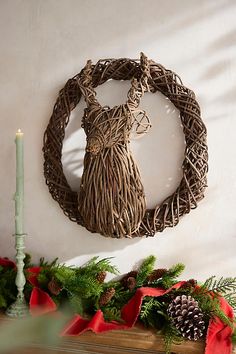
(187, 317)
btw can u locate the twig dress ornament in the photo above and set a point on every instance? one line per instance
(111, 198)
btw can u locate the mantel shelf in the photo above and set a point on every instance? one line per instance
(137, 340)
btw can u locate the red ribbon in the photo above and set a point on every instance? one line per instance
(40, 301)
(219, 335)
(7, 263)
(32, 275)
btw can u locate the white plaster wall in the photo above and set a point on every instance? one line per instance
(45, 42)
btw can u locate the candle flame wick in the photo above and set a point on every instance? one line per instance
(19, 131)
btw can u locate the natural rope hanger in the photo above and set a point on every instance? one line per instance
(111, 198)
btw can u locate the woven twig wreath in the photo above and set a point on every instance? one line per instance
(111, 199)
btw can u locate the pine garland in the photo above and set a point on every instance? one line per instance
(83, 291)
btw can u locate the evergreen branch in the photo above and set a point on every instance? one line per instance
(112, 314)
(43, 263)
(206, 303)
(3, 301)
(64, 273)
(220, 286)
(91, 262)
(210, 306)
(234, 336)
(105, 265)
(43, 278)
(147, 307)
(84, 285)
(231, 299)
(27, 261)
(121, 296)
(145, 269)
(153, 313)
(223, 317)
(94, 266)
(76, 304)
(8, 289)
(171, 336)
(176, 270)
(170, 277)
(208, 283)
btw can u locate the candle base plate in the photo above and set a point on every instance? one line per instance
(18, 309)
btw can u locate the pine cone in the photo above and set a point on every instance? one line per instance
(132, 274)
(54, 287)
(191, 283)
(101, 277)
(106, 296)
(131, 283)
(156, 274)
(187, 317)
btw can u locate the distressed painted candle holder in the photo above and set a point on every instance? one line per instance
(111, 198)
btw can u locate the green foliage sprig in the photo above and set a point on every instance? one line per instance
(208, 295)
(8, 289)
(171, 276)
(145, 269)
(171, 336)
(231, 299)
(153, 312)
(221, 285)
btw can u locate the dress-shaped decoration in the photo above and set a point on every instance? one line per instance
(111, 200)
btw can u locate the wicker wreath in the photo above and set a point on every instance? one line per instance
(111, 198)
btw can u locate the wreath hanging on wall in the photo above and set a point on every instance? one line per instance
(111, 199)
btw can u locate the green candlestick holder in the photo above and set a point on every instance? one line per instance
(19, 308)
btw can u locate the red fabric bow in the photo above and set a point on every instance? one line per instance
(32, 275)
(7, 263)
(40, 302)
